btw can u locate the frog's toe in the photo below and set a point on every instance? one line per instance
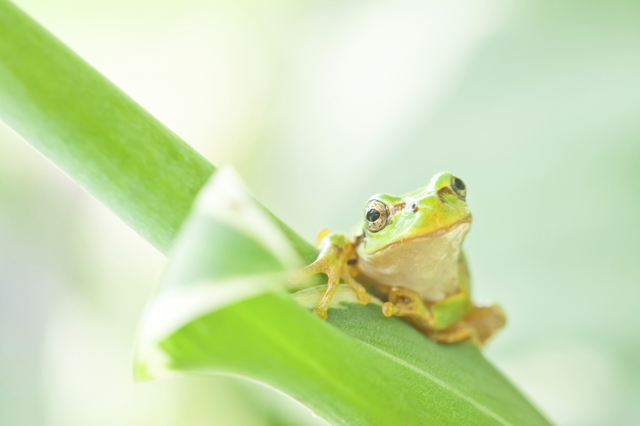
(399, 309)
(361, 293)
(321, 312)
(319, 266)
(364, 298)
(296, 277)
(388, 309)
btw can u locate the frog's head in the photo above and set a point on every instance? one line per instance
(428, 212)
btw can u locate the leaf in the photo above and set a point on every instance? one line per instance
(99, 136)
(360, 368)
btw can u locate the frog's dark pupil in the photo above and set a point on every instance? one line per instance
(373, 215)
(459, 184)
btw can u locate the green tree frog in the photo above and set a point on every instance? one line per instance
(407, 252)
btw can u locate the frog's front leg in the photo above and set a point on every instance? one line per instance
(333, 260)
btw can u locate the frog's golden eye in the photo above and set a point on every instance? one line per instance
(459, 187)
(376, 214)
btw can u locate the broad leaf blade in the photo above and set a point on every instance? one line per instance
(82, 122)
(360, 368)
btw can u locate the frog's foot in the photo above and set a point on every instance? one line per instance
(335, 253)
(477, 326)
(486, 321)
(403, 301)
(335, 270)
(454, 334)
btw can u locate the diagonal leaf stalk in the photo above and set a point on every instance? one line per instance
(149, 177)
(96, 134)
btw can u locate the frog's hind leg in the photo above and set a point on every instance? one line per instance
(335, 252)
(477, 326)
(486, 320)
(450, 320)
(437, 316)
(458, 332)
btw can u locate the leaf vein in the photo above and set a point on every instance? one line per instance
(434, 379)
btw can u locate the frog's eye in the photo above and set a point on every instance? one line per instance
(459, 187)
(376, 214)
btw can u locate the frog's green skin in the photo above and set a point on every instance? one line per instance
(407, 251)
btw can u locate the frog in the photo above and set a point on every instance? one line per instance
(407, 252)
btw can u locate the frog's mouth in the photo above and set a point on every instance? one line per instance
(438, 233)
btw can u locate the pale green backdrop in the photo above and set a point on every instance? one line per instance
(319, 104)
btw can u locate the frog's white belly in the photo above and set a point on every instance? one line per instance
(426, 264)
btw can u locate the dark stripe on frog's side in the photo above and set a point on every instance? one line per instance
(396, 208)
(444, 190)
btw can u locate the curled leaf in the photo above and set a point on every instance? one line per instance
(223, 308)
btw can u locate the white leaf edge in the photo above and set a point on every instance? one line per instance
(226, 199)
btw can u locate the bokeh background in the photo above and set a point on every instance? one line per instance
(320, 104)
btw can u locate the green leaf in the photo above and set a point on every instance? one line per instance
(359, 369)
(99, 136)
(110, 145)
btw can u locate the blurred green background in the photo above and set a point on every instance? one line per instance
(320, 104)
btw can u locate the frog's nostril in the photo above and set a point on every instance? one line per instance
(414, 208)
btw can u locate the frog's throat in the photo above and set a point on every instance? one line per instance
(432, 234)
